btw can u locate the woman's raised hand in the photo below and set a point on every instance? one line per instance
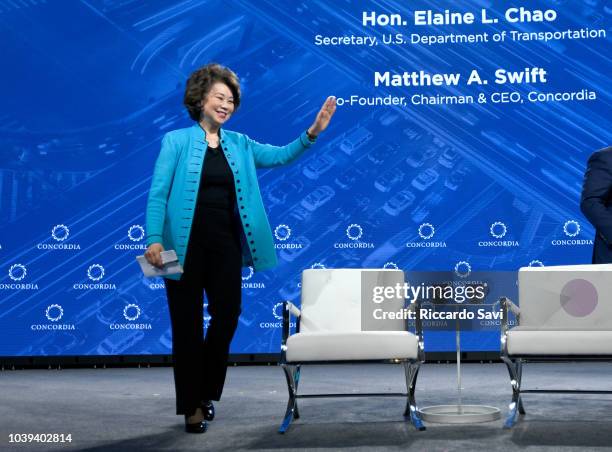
(323, 117)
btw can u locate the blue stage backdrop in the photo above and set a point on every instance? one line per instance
(471, 157)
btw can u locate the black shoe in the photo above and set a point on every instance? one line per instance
(197, 427)
(208, 409)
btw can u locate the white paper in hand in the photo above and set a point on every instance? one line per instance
(171, 265)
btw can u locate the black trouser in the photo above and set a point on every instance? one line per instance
(212, 264)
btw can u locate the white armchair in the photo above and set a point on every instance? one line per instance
(329, 331)
(565, 314)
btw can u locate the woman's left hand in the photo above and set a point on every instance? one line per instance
(323, 117)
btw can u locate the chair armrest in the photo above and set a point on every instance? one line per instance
(507, 307)
(418, 323)
(293, 309)
(288, 309)
(418, 327)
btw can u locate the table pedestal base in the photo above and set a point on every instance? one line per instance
(460, 414)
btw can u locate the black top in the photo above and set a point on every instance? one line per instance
(217, 182)
(216, 226)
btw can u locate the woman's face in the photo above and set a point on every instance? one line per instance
(218, 105)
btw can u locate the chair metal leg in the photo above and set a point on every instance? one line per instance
(409, 379)
(519, 374)
(515, 407)
(412, 371)
(296, 413)
(291, 403)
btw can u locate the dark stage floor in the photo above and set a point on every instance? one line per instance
(133, 409)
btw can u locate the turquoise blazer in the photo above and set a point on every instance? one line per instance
(176, 180)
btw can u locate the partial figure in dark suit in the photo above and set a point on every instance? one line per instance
(596, 203)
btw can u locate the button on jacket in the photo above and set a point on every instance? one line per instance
(176, 179)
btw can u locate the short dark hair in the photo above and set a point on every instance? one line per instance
(200, 82)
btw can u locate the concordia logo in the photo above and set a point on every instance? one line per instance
(59, 312)
(571, 228)
(282, 232)
(17, 273)
(131, 313)
(277, 312)
(426, 232)
(95, 272)
(59, 233)
(463, 269)
(498, 230)
(136, 235)
(251, 285)
(54, 313)
(135, 309)
(354, 232)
